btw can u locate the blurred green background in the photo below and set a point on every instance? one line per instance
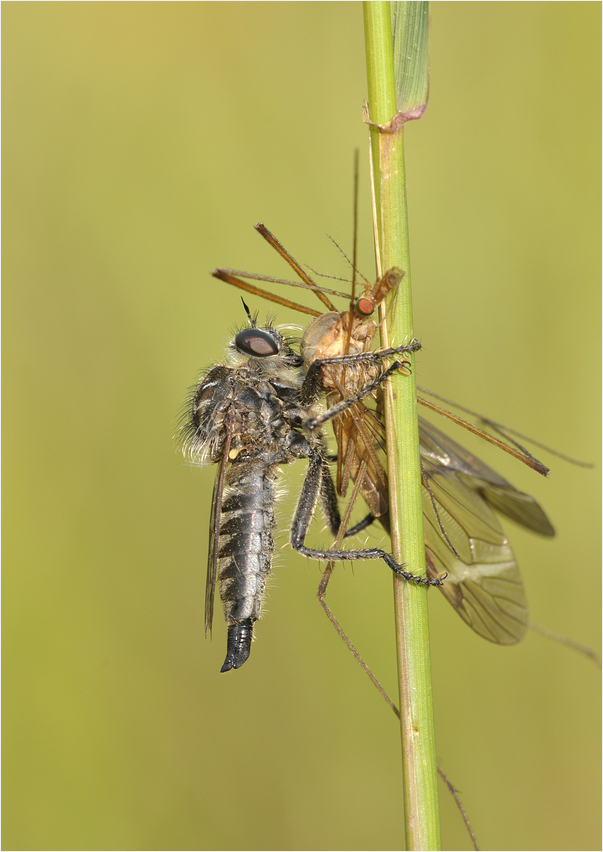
(142, 141)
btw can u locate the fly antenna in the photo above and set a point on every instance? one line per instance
(341, 251)
(248, 312)
(326, 275)
(355, 234)
(354, 252)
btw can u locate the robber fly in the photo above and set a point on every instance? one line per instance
(463, 536)
(251, 417)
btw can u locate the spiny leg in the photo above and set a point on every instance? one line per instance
(312, 385)
(313, 422)
(303, 515)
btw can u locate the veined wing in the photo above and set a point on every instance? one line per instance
(356, 443)
(446, 454)
(214, 532)
(484, 584)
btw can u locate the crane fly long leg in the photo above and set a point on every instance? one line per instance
(279, 247)
(356, 443)
(355, 245)
(224, 275)
(522, 454)
(322, 590)
(505, 431)
(427, 486)
(269, 279)
(565, 640)
(454, 793)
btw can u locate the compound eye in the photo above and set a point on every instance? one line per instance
(365, 307)
(255, 342)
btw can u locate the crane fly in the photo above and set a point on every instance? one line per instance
(464, 540)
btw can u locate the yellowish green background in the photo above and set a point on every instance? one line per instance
(142, 141)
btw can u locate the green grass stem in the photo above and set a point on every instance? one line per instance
(414, 666)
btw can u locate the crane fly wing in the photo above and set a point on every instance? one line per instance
(374, 422)
(214, 531)
(484, 584)
(492, 487)
(358, 435)
(346, 452)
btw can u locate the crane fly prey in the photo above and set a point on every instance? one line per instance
(464, 540)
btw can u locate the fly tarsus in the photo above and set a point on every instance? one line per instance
(411, 578)
(369, 553)
(238, 645)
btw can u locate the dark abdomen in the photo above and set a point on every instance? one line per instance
(245, 545)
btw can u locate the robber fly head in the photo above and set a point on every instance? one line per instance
(262, 342)
(259, 342)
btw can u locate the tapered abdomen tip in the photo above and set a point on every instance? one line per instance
(239, 644)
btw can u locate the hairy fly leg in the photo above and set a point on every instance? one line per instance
(315, 483)
(314, 383)
(348, 402)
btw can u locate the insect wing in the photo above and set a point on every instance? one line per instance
(484, 584)
(358, 435)
(492, 487)
(214, 531)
